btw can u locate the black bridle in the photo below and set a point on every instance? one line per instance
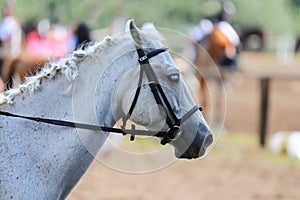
(172, 121)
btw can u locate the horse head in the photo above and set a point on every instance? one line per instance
(168, 108)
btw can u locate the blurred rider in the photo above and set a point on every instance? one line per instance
(218, 37)
(10, 33)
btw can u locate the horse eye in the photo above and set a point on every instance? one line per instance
(174, 78)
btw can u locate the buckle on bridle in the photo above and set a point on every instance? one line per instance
(175, 131)
(172, 134)
(141, 59)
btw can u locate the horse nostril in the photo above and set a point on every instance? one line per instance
(208, 141)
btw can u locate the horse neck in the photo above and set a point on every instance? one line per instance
(48, 101)
(62, 154)
(104, 73)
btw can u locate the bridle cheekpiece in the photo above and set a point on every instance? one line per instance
(172, 121)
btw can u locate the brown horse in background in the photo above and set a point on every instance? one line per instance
(215, 49)
(14, 70)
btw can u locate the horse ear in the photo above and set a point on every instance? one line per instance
(149, 27)
(135, 33)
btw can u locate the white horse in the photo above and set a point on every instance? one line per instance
(45, 161)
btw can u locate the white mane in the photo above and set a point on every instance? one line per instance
(66, 66)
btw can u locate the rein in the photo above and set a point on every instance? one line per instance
(86, 126)
(172, 121)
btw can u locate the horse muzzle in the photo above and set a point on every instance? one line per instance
(199, 144)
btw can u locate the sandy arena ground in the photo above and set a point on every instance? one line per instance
(236, 169)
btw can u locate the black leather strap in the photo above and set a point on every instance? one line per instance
(145, 67)
(85, 126)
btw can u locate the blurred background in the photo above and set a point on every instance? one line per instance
(254, 44)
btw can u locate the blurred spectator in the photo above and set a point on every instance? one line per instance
(28, 26)
(81, 36)
(10, 32)
(48, 40)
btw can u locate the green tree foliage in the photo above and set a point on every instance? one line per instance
(273, 15)
(296, 3)
(276, 16)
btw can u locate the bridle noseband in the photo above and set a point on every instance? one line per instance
(172, 121)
